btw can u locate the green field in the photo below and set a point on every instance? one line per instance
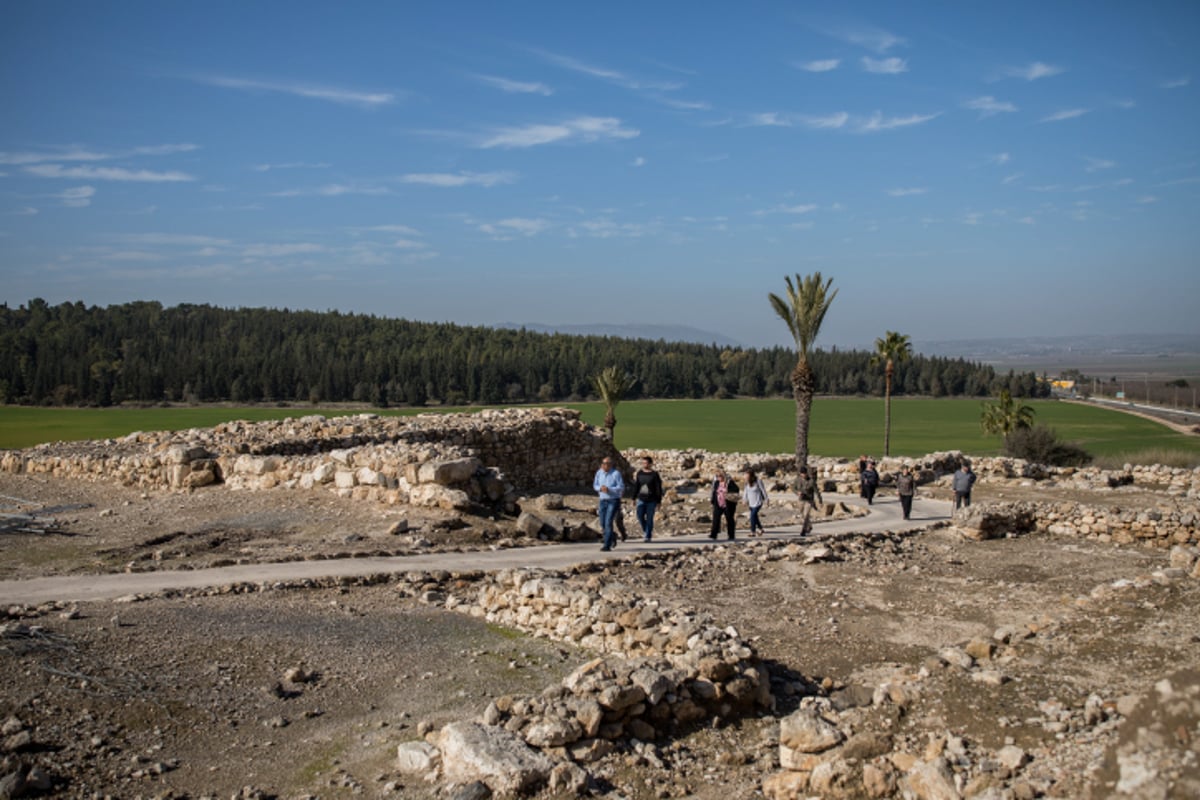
(842, 427)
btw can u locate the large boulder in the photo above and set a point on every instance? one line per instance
(475, 752)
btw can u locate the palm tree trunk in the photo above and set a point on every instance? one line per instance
(803, 388)
(887, 411)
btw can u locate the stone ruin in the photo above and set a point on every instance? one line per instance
(450, 461)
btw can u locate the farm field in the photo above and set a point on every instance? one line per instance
(841, 427)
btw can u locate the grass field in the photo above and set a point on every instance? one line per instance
(842, 427)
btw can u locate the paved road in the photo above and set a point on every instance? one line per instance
(884, 516)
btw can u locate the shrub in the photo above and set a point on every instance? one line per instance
(1041, 445)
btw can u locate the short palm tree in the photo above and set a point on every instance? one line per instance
(892, 349)
(612, 384)
(803, 309)
(1005, 415)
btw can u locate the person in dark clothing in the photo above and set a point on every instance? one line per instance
(869, 482)
(906, 488)
(648, 493)
(724, 503)
(964, 479)
(862, 467)
(810, 494)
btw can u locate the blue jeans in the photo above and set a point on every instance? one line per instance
(645, 517)
(754, 523)
(608, 510)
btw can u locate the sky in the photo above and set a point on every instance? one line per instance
(959, 169)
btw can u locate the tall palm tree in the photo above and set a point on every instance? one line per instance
(808, 298)
(1005, 415)
(611, 384)
(894, 348)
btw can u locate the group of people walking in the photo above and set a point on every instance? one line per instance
(647, 489)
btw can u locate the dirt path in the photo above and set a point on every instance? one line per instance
(884, 516)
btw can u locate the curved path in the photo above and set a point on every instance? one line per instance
(884, 516)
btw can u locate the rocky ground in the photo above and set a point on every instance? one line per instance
(1070, 657)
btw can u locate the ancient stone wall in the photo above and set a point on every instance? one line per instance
(1173, 523)
(447, 460)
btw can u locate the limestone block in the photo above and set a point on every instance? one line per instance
(448, 472)
(806, 731)
(499, 758)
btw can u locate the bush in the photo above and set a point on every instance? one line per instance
(1041, 445)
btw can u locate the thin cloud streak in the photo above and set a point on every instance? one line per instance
(988, 106)
(1034, 71)
(1069, 113)
(822, 65)
(312, 92)
(886, 66)
(604, 73)
(107, 174)
(878, 122)
(445, 179)
(516, 87)
(584, 129)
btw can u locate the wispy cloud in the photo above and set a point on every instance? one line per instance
(332, 190)
(1097, 164)
(605, 228)
(822, 65)
(171, 239)
(507, 228)
(402, 230)
(878, 122)
(1176, 83)
(106, 174)
(583, 129)
(78, 153)
(1034, 71)
(290, 165)
(330, 94)
(1069, 113)
(907, 192)
(999, 158)
(161, 149)
(683, 105)
(278, 250)
(777, 119)
(638, 162)
(802, 208)
(451, 180)
(611, 75)
(988, 106)
(874, 39)
(78, 197)
(884, 66)
(1146, 199)
(515, 87)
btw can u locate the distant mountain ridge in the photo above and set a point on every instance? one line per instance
(1103, 345)
(667, 333)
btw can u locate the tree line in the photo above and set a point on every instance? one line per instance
(143, 352)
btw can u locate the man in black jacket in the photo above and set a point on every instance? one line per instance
(648, 493)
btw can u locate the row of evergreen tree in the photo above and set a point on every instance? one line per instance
(72, 354)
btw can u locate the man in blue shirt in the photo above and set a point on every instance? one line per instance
(609, 485)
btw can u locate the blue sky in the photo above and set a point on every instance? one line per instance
(960, 169)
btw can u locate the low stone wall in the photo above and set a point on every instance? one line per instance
(1171, 524)
(447, 460)
(660, 670)
(841, 474)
